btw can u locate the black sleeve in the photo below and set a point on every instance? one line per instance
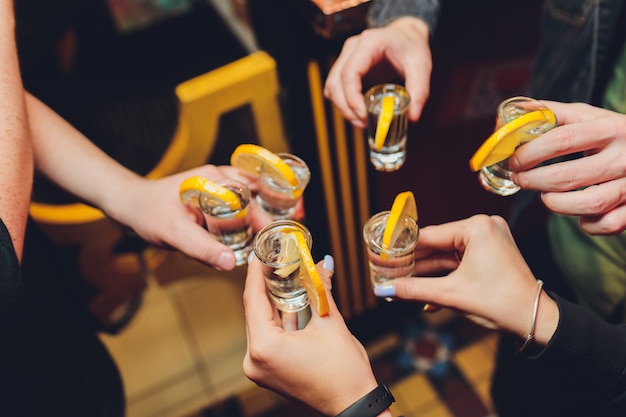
(589, 353)
(11, 293)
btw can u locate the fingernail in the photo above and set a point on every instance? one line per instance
(250, 257)
(226, 261)
(385, 291)
(329, 263)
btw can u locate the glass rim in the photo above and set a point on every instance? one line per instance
(302, 183)
(276, 224)
(397, 89)
(377, 217)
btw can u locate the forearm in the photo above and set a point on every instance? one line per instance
(16, 159)
(70, 160)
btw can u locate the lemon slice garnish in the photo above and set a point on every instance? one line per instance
(503, 142)
(289, 254)
(250, 157)
(387, 106)
(193, 188)
(295, 246)
(403, 206)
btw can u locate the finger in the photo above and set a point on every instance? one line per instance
(591, 201)
(417, 83)
(366, 55)
(325, 268)
(334, 89)
(258, 308)
(573, 174)
(439, 263)
(195, 241)
(290, 321)
(611, 223)
(568, 113)
(563, 140)
(427, 290)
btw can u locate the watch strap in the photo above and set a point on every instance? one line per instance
(371, 404)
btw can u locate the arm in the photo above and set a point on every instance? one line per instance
(592, 187)
(401, 39)
(322, 365)
(16, 159)
(151, 208)
(492, 282)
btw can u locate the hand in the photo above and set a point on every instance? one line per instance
(153, 210)
(491, 280)
(403, 43)
(592, 187)
(322, 365)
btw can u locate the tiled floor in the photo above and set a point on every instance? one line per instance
(181, 354)
(183, 349)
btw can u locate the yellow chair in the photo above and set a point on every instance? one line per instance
(252, 81)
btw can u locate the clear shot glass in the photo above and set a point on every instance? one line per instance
(497, 177)
(276, 198)
(281, 266)
(230, 227)
(392, 154)
(394, 262)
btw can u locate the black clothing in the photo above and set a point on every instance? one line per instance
(53, 363)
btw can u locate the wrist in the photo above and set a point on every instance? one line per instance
(374, 403)
(413, 26)
(547, 319)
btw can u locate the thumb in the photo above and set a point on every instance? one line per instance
(427, 290)
(194, 241)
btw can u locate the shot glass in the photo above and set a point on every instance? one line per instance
(230, 227)
(394, 262)
(497, 177)
(276, 198)
(280, 268)
(392, 154)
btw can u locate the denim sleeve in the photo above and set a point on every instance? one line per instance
(382, 12)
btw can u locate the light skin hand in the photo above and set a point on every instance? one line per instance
(152, 208)
(492, 281)
(322, 365)
(592, 187)
(403, 44)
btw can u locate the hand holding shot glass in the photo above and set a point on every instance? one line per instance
(283, 178)
(391, 237)
(292, 279)
(387, 125)
(519, 120)
(225, 206)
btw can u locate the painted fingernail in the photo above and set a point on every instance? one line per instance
(329, 263)
(251, 257)
(385, 291)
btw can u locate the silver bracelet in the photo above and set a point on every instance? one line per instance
(531, 334)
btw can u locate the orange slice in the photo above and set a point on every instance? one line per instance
(387, 105)
(250, 157)
(403, 206)
(296, 245)
(503, 142)
(193, 188)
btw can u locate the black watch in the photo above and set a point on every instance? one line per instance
(371, 404)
